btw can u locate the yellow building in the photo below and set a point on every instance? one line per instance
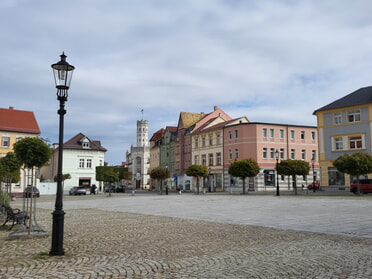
(14, 126)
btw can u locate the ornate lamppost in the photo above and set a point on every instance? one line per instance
(277, 175)
(62, 75)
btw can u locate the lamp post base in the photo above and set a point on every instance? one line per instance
(57, 234)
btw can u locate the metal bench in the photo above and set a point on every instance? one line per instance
(15, 215)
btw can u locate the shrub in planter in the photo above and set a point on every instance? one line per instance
(4, 198)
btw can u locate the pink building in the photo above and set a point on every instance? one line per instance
(260, 141)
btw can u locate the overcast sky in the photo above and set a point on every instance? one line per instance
(269, 60)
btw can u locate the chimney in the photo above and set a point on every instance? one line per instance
(11, 108)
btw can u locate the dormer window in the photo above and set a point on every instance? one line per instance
(85, 143)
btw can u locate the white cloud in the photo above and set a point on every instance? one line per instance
(272, 61)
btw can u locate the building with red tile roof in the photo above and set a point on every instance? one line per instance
(15, 125)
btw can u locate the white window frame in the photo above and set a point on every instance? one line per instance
(337, 117)
(353, 116)
(264, 133)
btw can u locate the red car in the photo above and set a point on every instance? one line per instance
(365, 186)
(316, 186)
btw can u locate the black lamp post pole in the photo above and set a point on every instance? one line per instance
(62, 74)
(277, 175)
(312, 163)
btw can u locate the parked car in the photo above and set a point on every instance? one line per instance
(316, 186)
(31, 190)
(111, 189)
(77, 191)
(365, 186)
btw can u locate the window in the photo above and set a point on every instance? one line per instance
(338, 143)
(230, 154)
(89, 163)
(236, 134)
(218, 139)
(264, 153)
(210, 140)
(236, 153)
(303, 154)
(355, 142)
(210, 159)
(271, 133)
(312, 135)
(281, 134)
(5, 141)
(196, 159)
(230, 135)
(293, 154)
(81, 163)
(196, 142)
(219, 159)
(264, 133)
(313, 155)
(302, 135)
(337, 117)
(292, 134)
(281, 152)
(353, 115)
(272, 153)
(204, 160)
(203, 141)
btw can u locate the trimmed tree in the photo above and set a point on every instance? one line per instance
(197, 171)
(159, 174)
(243, 169)
(31, 152)
(293, 168)
(355, 165)
(10, 169)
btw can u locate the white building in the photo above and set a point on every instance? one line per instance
(81, 156)
(138, 158)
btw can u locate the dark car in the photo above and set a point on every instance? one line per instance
(31, 190)
(365, 186)
(316, 186)
(111, 189)
(77, 191)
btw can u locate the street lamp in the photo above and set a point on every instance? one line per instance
(312, 164)
(62, 76)
(277, 175)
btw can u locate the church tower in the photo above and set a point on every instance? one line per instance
(142, 133)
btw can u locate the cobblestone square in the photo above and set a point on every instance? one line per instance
(112, 244)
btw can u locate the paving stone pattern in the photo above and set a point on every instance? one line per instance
(111, 244)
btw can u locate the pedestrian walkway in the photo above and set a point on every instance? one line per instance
(190, 236)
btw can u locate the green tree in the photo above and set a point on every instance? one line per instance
(243, 169)
(159, 174)
(293, 168)
(197, 171)
(107, 174)
(9, 169)
(32, 152)
(64, 177)
(355, 165)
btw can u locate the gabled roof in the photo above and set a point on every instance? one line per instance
(187, 119)
(359, 97)
(171, 129)
(18, 121)
(76, 143)
(158, 135)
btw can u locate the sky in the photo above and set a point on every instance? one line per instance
(272, 61)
